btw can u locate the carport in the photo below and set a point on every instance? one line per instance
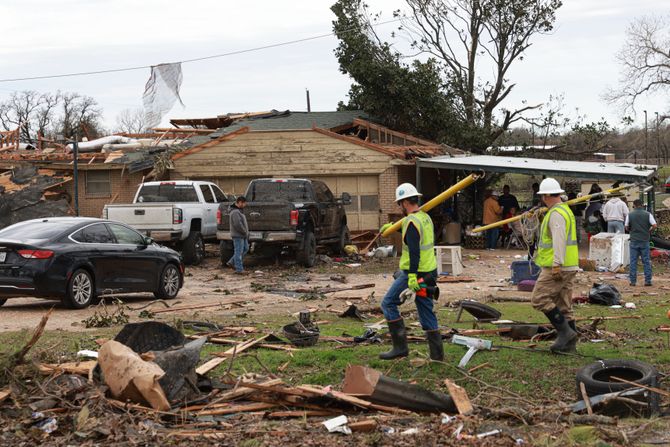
(583, 170)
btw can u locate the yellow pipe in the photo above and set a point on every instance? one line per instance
(544, 209)
(432, 203)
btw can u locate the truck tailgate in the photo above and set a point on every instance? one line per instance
(264, 216)
(142, 216)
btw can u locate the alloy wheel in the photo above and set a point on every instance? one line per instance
(171, 281)
(82, 288)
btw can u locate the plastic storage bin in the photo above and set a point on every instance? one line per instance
(523, 270)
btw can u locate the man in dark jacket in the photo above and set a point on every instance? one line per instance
(640, 223)
(239, 231)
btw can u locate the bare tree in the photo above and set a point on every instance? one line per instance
(29, 110)
(131, 121)
(79, 114)
(645, 61)
(472, 38)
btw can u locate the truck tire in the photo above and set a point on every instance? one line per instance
(307, 253)
(169, 282)
(80, 291)
(343, 240)
(193, 249)
(2, 302)
(596, 376)
(226, 251)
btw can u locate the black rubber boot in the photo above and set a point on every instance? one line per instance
(435, 347)
(399, 337)
(564, 333)
(572, 346)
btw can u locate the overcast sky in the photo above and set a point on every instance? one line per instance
(44, 37)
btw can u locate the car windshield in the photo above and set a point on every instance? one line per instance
(167, 192)
(41, 230)
(289, 191)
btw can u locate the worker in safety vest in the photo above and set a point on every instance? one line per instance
(418, 268)
(558, 255)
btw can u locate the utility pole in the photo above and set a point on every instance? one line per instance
(658, 139)
(309, 105)
(646, 138)
(75, 151)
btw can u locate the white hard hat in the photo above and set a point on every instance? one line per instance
(405, 191)
(550, 186)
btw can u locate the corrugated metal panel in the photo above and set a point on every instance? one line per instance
(580, 169)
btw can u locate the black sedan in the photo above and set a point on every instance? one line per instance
(77, 259)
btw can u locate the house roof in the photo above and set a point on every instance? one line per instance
(561, 168)
(288, 120)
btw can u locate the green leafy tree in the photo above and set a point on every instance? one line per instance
(463, 41)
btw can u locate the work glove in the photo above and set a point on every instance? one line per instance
(385, 227)
(556, 273)
(413, 282)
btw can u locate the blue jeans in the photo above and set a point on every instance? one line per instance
(241, 247)
(639, 249)
(615, 226)
(492, 237)
(424, 306)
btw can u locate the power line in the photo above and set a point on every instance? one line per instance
(197, 59)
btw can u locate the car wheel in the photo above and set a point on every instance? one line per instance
(226, 252)
(170, 281)
(343, 240)
(307, 255)
(80, 290)
(2, 302)
(194, 249)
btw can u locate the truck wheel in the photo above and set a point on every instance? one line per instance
(226, 250)
(168, 286)
(343, 240)
(193, 249)
(307, 255)
(80, 290)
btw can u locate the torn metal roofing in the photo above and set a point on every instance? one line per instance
(562, 168)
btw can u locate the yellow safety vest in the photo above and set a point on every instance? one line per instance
(545, 249)
(423, 223)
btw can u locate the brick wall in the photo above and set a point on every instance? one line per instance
(388, 182)
(123, 188)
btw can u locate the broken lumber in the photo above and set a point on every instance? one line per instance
(646, 387)
(352, 400)
(236, 393)
(244, 408)
(333, 289)
(17, 357)
(366, 425)
(587, 401)
(213, 363)
(300, 414)
(5, 393)
(228, 341)
(80, 368)
(460, 398)
(204, 306)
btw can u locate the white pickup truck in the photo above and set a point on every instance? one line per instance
(180, 213)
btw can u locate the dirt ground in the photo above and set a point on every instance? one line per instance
(266, 288)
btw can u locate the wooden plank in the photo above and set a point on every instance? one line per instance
(352, 400)
(587, 401)
(646, 387)
(241, 391)
(226, 341)
(81, 368)
(300, 414)
(213, 363)
(245, 408)
(460, 397)
(204, 306)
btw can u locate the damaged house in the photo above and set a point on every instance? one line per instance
(344, 149)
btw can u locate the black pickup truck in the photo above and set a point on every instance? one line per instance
(289, 214)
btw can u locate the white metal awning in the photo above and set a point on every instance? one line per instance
(561, 168)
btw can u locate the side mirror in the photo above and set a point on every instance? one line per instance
(346, 198)
(148, 241)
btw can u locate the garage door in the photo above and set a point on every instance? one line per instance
(363, 213)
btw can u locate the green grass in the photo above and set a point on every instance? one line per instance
(536, 376)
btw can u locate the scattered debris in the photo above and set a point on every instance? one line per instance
(303, 332)
(480, 311)
(473, 345)
(604, 294)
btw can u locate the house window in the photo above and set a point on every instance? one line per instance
(98, 183)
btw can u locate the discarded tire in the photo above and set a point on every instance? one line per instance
(597, 377)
